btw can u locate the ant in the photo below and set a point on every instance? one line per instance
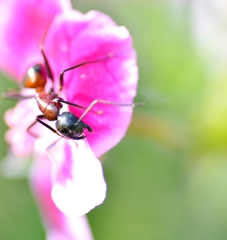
(67, 124)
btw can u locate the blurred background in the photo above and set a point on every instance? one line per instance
(167, 179)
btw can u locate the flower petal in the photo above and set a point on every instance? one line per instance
(19, 119)
(58, 226)
(23, 25)
(74, 38)
(78, 182)
(14, 166)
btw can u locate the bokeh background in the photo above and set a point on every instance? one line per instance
(167, 179)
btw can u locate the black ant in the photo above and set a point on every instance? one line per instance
(67, 124)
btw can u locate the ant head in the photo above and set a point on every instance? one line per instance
(35, 77)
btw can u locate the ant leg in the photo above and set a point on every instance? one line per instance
(109, 103)
(61, 83)
(74, 105)
(31, 133)
(47, 65)
(69, 103)
(46, 125)
(57, 165)
(48, 151)
(15, 95)
(51, 146)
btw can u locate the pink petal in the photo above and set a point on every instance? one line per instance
(23, 25)
(19, 119)
(74, 38)
(78, 185)
(58, 226)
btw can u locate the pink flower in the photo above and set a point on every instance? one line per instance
(74, 183)
(58, 225)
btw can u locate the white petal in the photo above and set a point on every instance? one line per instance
(57, 225)
(80, 185)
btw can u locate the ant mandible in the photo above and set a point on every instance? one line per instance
(67, 124)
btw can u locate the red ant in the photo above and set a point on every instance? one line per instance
(67, 124)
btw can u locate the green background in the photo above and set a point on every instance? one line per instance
(167, 179)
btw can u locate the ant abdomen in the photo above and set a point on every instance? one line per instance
(67, 124)
(35, 77)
